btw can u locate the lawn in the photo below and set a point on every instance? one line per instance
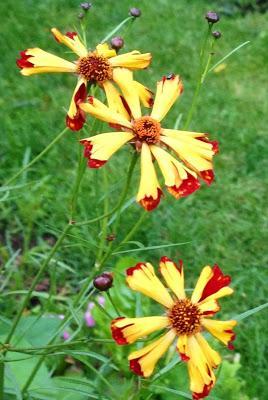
(224, 224)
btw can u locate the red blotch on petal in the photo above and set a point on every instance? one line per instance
(149, 203)
(135, 367)
(77, 122)
(117, 333)
(24, 62)
(165, 259)
(92, 162)
(214, 143)
(216, 282)
(71, 35)
(233, 336)
(204, 393)
(184, 357)
(187, 187)
(130, 271)
(207, 176)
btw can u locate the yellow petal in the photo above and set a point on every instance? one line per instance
(168, 90)
(128, 330)
(75, 117)
(72, 41)
(114, 99)
(142, 278)
(222, 330)
(199, 359)
(99, 148)
(104, 50)
(124, 79)
(212, 356)
(182, 347)
(132, 60)
(143, 361)
(43, 61)
(173, 275)
(203, 279)
(145, 94)
(149, 193)
(209, 307)
(101, 111)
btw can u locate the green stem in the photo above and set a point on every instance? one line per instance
(40, 155)
(104, 224)
(2, 374)
(113, 303)
(116, 29)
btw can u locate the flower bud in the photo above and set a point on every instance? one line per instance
(216, 34)
(117, 43)
(111, 237)
(80, 15)
(135, 12)
(212, 17)
(85, 6)
(104, 281)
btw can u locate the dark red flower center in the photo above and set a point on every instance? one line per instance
(185, 317)
(147, 130)
(94, 68)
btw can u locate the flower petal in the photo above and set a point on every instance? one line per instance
(124, 79)
(71, 40)
(211, 284)
(99, 148)
(182, 347)
(173, 275)
(115, 100)
(149, 193)
(142, 278)
(101, 111)
(222, 330)
(132, 60)
(209, 307)
(142, 362)
(128, 330)
(212, 356)
(38, 61)
(104, 50)
(75, 118)
(145, 94)
(168, 90)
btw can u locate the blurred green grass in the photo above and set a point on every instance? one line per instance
(225, 224)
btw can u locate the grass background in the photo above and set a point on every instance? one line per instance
(225, 223)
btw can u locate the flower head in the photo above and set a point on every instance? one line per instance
(151, 139)
(184, 319)
(91, 67)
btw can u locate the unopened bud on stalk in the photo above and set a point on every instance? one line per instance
(212, 17)
(117, 42)
(104, 281)
(80, 15)
(111, 237)
(135, 12)
(216, 34)
(85, 6)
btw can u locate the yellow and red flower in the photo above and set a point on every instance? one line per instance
(147, 135)
(91, 67)
(184, 319)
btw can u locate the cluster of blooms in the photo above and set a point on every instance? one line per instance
(184, 158)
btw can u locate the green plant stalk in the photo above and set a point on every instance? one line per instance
(2, 374)
(105, 220)
(113, 303)
(37, 158)
(116, 29)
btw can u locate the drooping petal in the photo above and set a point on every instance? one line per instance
(145, 94)
(115, 100)
(128, 330)
(173, 275)
(101, 111)
(71, 40)
(142, 362)
(124, 79)
(104, 50)
(222, 330)
(212, 284)
(99, 148)
(149, 193)
(209, 308)
(212, 356)
(38, 61)
(168, 90)
(179, 179)
(75, 118)
(132, 60)
(142, 278)
(182, 347)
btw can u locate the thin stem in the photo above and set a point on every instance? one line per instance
(104, 225)
(34, 160)
(113, 303)
(2, 375)
(116, 29)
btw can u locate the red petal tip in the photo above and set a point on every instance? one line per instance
(130, 271)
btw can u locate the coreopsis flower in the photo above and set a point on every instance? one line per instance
(184, 320)
(151, 139)
(90, 67)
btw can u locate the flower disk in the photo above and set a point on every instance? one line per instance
(184, 317)
(147, 129)
(94, 68)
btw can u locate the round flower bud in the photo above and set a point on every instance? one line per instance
(135, 12)
(212, 17)
(104, 281)
(117, 42)
(85, 6)
(216, 34)
(80, 15)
